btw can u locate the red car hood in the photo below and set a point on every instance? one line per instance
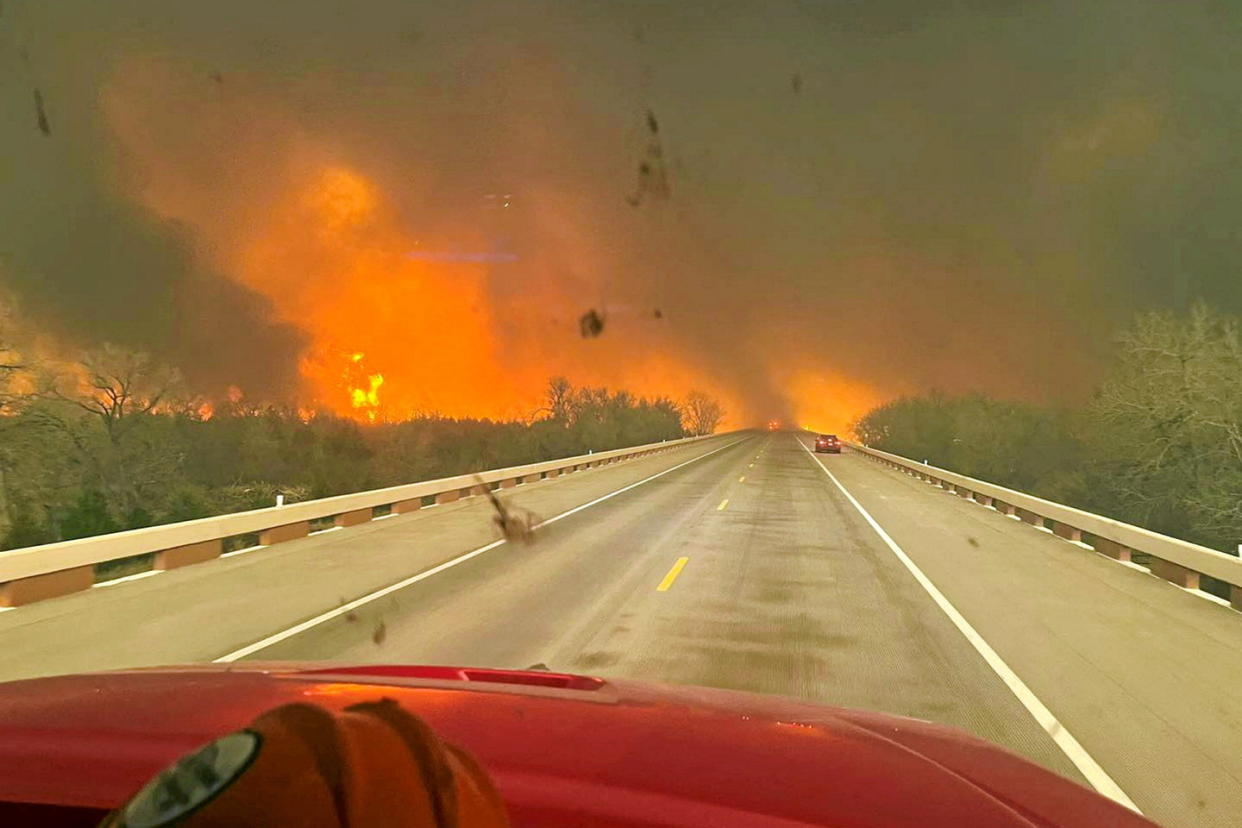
(564, 750)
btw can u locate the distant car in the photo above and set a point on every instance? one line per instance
(828, 443)
(774, 425)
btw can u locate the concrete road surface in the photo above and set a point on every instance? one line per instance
(737, 563)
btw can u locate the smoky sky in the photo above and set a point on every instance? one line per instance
(908, 195)
(84, 261)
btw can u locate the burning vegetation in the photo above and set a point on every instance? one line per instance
(363, 387)
(115, 440)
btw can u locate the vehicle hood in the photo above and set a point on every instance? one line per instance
(563, 749)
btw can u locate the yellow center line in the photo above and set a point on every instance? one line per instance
(742, 479)
(672, 575)
(723, 504)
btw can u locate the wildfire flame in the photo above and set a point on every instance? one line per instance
(368, 398)
(360, 258)
(363, 387)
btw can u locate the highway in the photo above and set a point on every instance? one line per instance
(743, 562)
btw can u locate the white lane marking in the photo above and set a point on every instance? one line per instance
(264, 643)
(244, 550)
(1096, 775)
(126, 578)
(577, 509)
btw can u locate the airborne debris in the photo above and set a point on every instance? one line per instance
(591, 324)
(795, 83)
(217, 77)
(514, 526)
(652, 176)
(540, 666)
(41, 113)
(971, 540)
(381, 632)
(658, 314)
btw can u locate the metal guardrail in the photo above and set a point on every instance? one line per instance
(37, 572)
(1177, 561)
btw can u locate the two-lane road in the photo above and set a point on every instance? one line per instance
(741, 562)
(773, 582)
(751, 569)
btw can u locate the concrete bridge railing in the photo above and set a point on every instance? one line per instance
(39, 572)
(1177, 561)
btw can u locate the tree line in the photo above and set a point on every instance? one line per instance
(114, 442)
(1158, 444)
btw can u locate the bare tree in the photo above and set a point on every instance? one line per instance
(12, 364)
(12, 399)
(559, 397)
(701, 413)
(1170, 420)
(116, 385)
(116, 388)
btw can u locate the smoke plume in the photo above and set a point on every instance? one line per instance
(803, 208)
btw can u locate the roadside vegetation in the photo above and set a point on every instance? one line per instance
(114, 442)
(1159, 444)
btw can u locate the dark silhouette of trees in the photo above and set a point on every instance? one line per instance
(702, 413)
(113, 443)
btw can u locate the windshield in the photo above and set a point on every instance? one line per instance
(505, 335)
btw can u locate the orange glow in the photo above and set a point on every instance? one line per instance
(368, 397)
(395, 336)
(296, 217)
(363, 388)
(334, 262)
(830, 403)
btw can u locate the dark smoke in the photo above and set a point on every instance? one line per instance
(906, 194)
(81, 257)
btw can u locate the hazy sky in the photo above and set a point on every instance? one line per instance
(843, 200)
